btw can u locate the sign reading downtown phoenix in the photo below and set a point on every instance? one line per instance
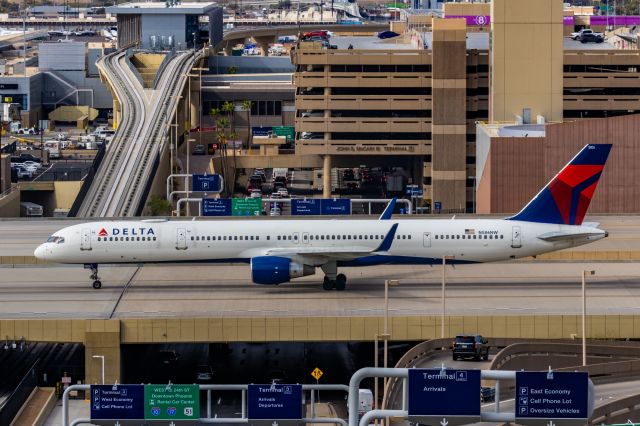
(171, 402)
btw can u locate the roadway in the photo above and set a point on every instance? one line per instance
(40, 291)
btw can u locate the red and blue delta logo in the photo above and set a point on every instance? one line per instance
(103, 233)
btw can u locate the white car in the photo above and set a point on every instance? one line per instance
(27, 131)
(274, 212)
(22, 172)
(284, 193)
(256, 193)
(32, 164)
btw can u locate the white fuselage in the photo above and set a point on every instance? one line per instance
(416, 241)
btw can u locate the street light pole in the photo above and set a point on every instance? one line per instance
(102, 362)
(584, 316)
(443, 297)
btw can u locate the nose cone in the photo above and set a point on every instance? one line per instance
(40, 252)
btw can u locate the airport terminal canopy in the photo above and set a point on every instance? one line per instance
(166, 25)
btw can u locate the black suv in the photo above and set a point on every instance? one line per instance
(470, 346)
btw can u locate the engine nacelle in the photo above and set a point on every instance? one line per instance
(273, 270)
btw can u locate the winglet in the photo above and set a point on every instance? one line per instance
(388, 211)
(388, 240)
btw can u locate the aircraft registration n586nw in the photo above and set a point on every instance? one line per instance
(278, 251)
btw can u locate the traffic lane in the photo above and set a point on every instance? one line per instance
(504, 289)
(444, 358)
(190, 290)
(59, 292)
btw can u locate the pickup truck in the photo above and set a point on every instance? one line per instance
(586, 34)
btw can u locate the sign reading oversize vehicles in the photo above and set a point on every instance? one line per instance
(275, 402)
(451, 396)
(558, 395)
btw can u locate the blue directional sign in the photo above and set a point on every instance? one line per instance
(309, 206)
(216, 207)
(261, 131)
(335, 206)
(206, 183)
(444, 393)
(414, 191)
(437, 205)
(556, 395)
(117, 402)
(274, 402)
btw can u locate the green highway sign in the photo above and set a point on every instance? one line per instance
(246, 206)
(287, 131)
(172, 402)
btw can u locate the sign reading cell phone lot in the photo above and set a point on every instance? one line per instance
(561, 396)
(117, 402)
(274, 402)
(444, 396)
(178, 403)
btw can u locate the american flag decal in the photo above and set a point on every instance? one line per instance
(470, 231)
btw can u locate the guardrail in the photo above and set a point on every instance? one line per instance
(619, 411)
(93, 169)
(10, 407)
(133, 69)
(168, 57)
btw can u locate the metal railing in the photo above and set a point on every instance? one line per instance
(10, 407)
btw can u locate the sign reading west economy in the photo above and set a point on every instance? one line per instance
(216, 207)
(274, 402)
(562, 396)
(206, 183)
(117, 402)
(444, 396)
(177, 403)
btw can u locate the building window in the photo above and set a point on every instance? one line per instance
(266, 108)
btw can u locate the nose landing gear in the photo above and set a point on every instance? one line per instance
(97, 284)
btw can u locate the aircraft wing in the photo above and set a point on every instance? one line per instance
(335, 253)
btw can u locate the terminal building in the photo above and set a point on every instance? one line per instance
(421, 94)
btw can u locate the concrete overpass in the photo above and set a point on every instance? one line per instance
(264, 36)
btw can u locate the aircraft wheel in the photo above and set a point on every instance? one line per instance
(97, 284)
(341, 282)
(328, 284)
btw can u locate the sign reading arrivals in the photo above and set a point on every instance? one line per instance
(444, 396)
(562, 396)
(274, 402)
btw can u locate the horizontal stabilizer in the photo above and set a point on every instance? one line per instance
(559, 236)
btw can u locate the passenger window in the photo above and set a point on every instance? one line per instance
(154, 238)
(98, 238)
(502, 237)
(257, 237)
(268, 237)
(359, 237)
(138, 239)
(278, 237)
(333, 237)
(127, 238)
(474, 237)
(192, 238)
(409, 236)
(235, 238)
(208, 237)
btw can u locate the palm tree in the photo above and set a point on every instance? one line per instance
(246, 106)
(222, 123)
(220, 136)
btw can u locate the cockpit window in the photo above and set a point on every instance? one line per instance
(55, 240)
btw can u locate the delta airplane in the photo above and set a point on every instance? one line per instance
(280, 250)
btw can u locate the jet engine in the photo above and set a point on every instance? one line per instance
(273, 270)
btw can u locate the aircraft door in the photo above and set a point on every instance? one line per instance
(85, 239)
(305, 238)
(516, 237)
(181, 239)
(426, 239)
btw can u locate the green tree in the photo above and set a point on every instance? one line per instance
(246, 106)
(159, 206)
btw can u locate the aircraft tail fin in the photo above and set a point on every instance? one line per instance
(565, 199)
(388, 211)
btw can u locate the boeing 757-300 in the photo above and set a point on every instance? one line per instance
(280, 250)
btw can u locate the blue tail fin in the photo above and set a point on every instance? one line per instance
(566, 198)
(388, 211)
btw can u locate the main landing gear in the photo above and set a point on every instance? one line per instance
(97, 284)
(333, 280)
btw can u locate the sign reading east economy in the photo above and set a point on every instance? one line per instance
(178, 403)
(561, 396)
(274, 402)
(444, 396)
(117, 402)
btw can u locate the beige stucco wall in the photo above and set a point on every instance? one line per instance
(463, 9)
(527, 59)
(66, 193)
(10, 204)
